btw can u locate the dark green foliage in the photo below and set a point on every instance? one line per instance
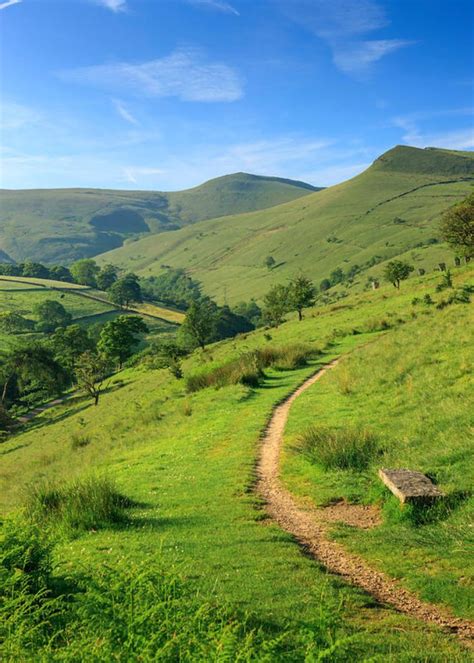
(249, 310)
(229, 324)
(14, 323)
(446, 282)
(174, 287)
(68, 343)
(51, 315)
(34, 270)
(60, 273)
(79, 441)
(457, 227)
(275, 305)
(30, 372)
(343, 449)
(126, 290)
(336, 276)
(270, 262)
(324, 285)
(118, 337)
(85, 272)
(397, 271)
(200, 325)
(106, 277)
(301, 293)
(10, 269)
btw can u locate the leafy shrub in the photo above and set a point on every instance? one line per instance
(343, 449)
(86, 504)
(79, 441)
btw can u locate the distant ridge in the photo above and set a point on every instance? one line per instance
(390, 210)
(61, 225)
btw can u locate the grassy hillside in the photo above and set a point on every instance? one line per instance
(22, 295)
(393, 208)
(187, 462)
(61, 225)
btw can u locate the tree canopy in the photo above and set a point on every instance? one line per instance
(397, 271)
(457, 227)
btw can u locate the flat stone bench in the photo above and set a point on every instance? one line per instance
(410, 486)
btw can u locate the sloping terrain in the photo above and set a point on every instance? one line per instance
(392, 209)
(61, 225)
(188, 463)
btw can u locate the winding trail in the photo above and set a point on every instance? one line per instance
(311, 532)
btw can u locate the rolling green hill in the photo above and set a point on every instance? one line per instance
(61, 225)
(186, 464)
(391, 209)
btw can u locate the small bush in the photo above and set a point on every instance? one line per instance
(345, 449)
(80, 441)
(85, 504)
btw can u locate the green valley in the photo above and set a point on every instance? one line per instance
(391, 210)
(63, 225)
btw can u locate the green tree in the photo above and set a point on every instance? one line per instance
(51, 314)
(92, 370)
(200, 323)
(270, 262)
(249, 310)
(336, 276)
(68, 343)
(14, 323)
(118, 337)
(106, 277)
(126, 290)
(397, 271)
(324, 285)
(85, 272)
(60, 273)
(34, 270)
(301, 293)
(30, 368)
(457, 227)
(275, 305)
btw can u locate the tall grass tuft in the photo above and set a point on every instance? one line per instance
(248, 369)
(345, 449)
(86, 504)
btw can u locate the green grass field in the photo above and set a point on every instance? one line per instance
(62, 225)
(187, 461)
(392, 209)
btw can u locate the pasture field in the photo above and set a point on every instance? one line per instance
(187, 461)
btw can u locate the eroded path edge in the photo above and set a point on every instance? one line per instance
(312, 534)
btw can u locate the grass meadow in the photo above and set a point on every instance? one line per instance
(195, 548)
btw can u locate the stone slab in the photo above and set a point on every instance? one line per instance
(409, 485)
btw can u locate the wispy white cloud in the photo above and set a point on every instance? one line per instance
(9, 3)
(218, 5)
(185, 74)
(15, 116)
(343, 25)
(358, 57)
(414, 134)
(124, 113)
(137, 174)
(114, 5)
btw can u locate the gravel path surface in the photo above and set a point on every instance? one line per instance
(310, 529)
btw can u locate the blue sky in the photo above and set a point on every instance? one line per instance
(164, 94)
